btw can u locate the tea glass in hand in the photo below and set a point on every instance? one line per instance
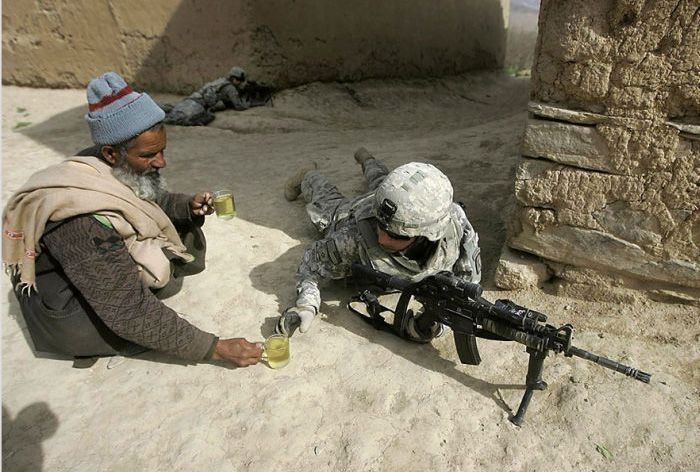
(224, 204)
(276, 351)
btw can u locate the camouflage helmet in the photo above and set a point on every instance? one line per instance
(414, 200)
(236, 73)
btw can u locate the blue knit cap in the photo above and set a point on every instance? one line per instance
(118, 113)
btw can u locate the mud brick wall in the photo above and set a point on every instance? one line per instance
(608, 191)
(177, 45)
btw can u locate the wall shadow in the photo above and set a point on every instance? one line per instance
(175, 45)
(256, 159)
(65, 132)
(488, 191)
(22, 437)
(202, 40)
(277, 277)
(288, 43)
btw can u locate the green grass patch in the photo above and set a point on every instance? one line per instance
(22, 124)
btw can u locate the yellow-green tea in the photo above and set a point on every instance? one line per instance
(224, 206)
(277, 351)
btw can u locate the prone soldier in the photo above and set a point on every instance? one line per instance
(233, 91)
(406, 225)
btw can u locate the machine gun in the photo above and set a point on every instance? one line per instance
(257, 94)
(449, 300)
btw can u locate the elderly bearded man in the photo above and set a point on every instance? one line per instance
(91, 241)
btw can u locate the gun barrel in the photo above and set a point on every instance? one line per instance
(610, 364)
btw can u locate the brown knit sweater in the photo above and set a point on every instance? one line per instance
(97, 263)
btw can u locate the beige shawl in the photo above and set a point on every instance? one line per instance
(85, 186)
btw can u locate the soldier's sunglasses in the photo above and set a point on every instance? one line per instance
(398, 237)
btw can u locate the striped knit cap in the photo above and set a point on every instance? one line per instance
(118, 113)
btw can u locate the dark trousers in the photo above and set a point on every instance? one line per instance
(77, 331)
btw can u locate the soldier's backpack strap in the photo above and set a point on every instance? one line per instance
(403, 317)
(368, 233)
(374, 308)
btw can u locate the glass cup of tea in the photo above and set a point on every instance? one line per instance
(224, 205)
(276, 351)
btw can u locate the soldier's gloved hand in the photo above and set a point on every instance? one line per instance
(296, 317)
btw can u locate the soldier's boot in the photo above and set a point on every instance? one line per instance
(362, 155)
(292, 187)
(166, 107)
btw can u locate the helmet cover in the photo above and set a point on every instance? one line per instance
(414, 200)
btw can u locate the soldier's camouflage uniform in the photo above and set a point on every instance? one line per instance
(198, 108)
(349, 229)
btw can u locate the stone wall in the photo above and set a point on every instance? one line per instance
(608, 191)
(177, 45)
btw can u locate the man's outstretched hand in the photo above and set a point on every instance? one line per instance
(202, 204)
(238, 351)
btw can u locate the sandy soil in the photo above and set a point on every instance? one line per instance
(352, 398)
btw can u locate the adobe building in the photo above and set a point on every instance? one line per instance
(608, 189)
(176, 46)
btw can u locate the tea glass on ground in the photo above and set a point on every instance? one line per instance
(276, 351)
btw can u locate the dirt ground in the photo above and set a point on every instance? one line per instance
(352, 398)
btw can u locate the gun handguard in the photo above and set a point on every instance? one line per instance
(457, 286)
(374, 277)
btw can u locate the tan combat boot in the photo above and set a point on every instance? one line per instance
(362, 155)
(292, 187)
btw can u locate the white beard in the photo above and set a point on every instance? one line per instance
(148, 186)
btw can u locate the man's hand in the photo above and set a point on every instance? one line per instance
(202, 204)
(293, 317)
(238, 351)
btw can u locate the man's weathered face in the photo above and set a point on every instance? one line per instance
(138, 165)
(147, 154)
